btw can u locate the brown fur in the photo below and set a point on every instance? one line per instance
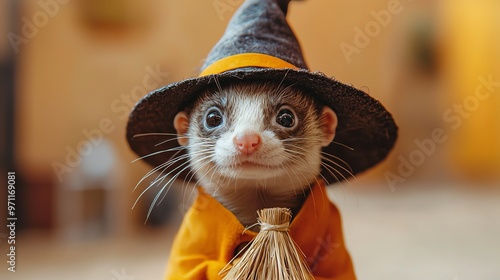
(292, 156)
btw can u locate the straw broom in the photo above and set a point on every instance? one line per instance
(272, 254)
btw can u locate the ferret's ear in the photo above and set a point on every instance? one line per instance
(181, 124)
(328, 125)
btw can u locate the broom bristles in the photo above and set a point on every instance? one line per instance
(272, 254)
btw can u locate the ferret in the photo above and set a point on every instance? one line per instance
(255, 145)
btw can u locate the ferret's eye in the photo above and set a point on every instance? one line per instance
(285, 118)
(213, 118)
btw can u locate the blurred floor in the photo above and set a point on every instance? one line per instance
(421, 232)
(42, 257)
(446, 232)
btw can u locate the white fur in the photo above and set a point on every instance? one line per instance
(244, 190)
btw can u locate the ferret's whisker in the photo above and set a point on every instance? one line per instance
(207, 172)
(195, 167)
(154, 134)
(295, 139)
(343, 145)
(339, 159)
(178, 149)
(333, 169)
(152, 171)
(328, 169)
(174, 159)
(348, 171)
(201, 177)
(172, 139)
(167, 165)
(157, 153)
(217, 82)
(173, 180)
(152, 184)
(190, 175)
(285, 167)
(299, 153)
(233, 177)
(169, 183)
(206, 149)
(281, 82)
(301, 161)
(160, 178)
(284, 91)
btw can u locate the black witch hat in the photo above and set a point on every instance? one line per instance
(258, 46)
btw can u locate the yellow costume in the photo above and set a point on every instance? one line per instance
(258, 47)
(210, 234)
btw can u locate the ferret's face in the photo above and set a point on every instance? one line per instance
(255, 132)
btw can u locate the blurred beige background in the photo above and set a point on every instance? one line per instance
(430, 211)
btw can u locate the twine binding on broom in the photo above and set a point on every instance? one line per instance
(272, 254)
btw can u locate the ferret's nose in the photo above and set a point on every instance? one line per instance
(247, 143)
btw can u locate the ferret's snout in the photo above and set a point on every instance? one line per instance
(247, 143)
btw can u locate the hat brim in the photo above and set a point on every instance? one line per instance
(365, 134)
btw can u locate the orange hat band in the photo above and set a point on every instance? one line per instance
(245, 60)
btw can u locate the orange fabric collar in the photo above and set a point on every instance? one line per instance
(210, 233)
(245, 60)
